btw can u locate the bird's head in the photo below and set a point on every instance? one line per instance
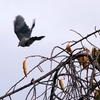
(18, 44)
(23, 42)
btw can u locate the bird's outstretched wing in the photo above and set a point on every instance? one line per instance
(33, 24)
(20, 28)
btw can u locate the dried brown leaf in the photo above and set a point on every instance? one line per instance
(68, 48)
(25, 68)
(61, 84)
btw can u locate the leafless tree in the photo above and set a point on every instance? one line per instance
(78, 70)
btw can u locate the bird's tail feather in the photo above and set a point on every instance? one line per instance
(37, 38)
(32, 39)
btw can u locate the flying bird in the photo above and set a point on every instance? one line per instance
(23, 32)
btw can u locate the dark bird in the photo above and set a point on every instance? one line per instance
(23, 32)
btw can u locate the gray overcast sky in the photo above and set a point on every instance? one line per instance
(54, 19)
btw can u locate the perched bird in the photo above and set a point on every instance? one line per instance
(23, 32)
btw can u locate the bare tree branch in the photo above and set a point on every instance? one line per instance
(76, 74)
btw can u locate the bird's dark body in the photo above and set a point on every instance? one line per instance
(32, 39)
(23, 32)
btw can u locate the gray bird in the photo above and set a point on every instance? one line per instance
(23, 32)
